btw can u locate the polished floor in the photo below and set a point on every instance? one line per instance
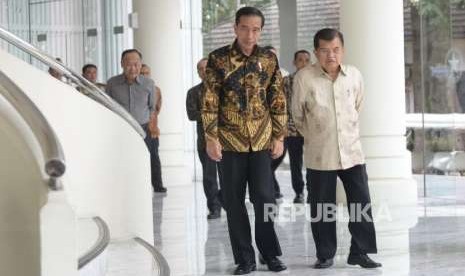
(434, 245)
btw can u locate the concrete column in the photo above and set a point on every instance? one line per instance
(374, 43)
(288, 33)
(159, 37)
(192, 53)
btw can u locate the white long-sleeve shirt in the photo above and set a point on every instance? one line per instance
(326, 114)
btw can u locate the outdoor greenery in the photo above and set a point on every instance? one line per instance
(432, 40)
(217, 11)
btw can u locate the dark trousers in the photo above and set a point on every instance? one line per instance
(155, 165)
(295, 146)
(355, 182)
(253, 168)
(210, 183)
(274, 166)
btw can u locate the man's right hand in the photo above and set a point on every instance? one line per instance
(214, 150)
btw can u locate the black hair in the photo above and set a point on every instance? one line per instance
(249, 11)
(327, 34)
(301, 52)
(128, 51)
(87, 66)
(269, 47)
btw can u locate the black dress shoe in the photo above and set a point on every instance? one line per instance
(299, 199)
(273, 263)
(362, 260)
(214, 214)
(245, 268)
(160, 189)
(323, 263)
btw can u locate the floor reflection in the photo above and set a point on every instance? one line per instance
(194, 246)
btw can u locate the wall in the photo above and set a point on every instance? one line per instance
(108, 172)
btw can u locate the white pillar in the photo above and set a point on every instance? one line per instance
(288, 33)
(374, 43)
(159, 37)
(192, 53)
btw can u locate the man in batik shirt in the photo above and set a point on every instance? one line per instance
(244, 118)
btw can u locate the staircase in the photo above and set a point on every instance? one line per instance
(88, 215)
(99, 256)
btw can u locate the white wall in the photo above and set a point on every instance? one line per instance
(22, 195)
(108, 171)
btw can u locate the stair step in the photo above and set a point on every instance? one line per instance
(135, 257)
(93, 239)
(131, 257)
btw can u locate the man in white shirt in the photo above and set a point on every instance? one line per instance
(325, 106)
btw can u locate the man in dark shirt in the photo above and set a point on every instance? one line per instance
(209, 167)
(294, 141)
(244, 118)
(135, 94)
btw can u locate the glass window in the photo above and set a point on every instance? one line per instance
(435, 69)
(76, 31)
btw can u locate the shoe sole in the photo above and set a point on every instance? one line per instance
(278, 270)
(252, 270)
(322, 266)
(319, 266)
(262, 262)
(362, 266)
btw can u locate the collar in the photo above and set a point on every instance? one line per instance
(138, 79)
(343, 69)
(237, 52)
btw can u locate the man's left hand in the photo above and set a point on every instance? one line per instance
(153, 125)
(277, 148)
(154, 132)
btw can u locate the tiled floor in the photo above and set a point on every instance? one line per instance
(129, 258)
(194, 246)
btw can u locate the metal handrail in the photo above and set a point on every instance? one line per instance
(51, 148)
(88, 88)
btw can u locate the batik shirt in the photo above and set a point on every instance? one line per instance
(244, 105)
(291, 129)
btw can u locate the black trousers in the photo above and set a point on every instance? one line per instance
(274, 166)
(295, 147)
(210, 183)
(254, 169)
(155, 165)
(355, 182)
